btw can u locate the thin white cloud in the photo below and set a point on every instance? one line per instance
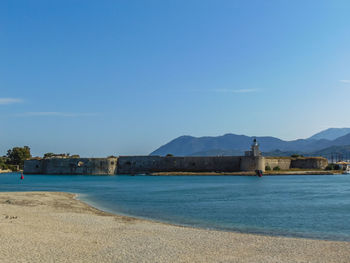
(54, 114)
(235, 90)
(345, 81)
(6, 101)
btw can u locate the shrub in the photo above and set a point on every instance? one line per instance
(332, 166)
(329, 167)
(267, 168)
(276, 168)
(3, 166)
(12, 167)
(296, 155)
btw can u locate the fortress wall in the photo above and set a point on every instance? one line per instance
(33, 166)
(98, 166)
(282, 163)
(137, 164)
(309, 163)
(286, 163)
(69, 166)
(151, 164)
(251, 163)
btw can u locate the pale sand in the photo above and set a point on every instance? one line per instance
(54, 227)
(5, 171)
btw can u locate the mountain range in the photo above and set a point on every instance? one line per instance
(330, 134)
(329, 141)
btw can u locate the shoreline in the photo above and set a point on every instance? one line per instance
(55, 226)
(6, 171)
(237, 231)
(266, 173)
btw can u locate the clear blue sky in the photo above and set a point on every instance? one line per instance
(124, 77)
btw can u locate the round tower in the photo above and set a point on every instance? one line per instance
(253, 159)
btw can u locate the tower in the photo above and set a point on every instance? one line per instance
(253, 160)
(255, 148)
(255, 152)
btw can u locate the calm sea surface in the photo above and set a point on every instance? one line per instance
(301, 206)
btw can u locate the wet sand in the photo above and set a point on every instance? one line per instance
(55, 227)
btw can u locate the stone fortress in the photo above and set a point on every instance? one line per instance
(71, 166)
(252, 161)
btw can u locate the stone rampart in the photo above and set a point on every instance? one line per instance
(71, 166)
(153, 164)
(286, 163)
(252, 163)
(33, 166)
(309, 163)
(281, 162)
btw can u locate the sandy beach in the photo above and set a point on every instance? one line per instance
(5, 171)
(55, 227)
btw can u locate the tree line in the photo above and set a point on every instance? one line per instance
(14, 159)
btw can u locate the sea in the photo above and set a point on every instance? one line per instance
(306, 206)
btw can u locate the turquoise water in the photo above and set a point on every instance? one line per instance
(302, 206)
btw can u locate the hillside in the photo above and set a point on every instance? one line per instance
(330, 134)
(188, 145)
(218, 152)
(232, 144)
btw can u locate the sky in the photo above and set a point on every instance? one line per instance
(123, 77)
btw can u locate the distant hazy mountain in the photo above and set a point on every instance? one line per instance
(341, 141)
(283, 153)
(333, 152)
(218, 152)
(191, 146)
(232, 144)
(188, 145)
(330, 134)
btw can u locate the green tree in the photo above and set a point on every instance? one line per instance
(48, 155)
(333, 166)
(296, 155)
(63, 155)
(17, 155)
(3, 165)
